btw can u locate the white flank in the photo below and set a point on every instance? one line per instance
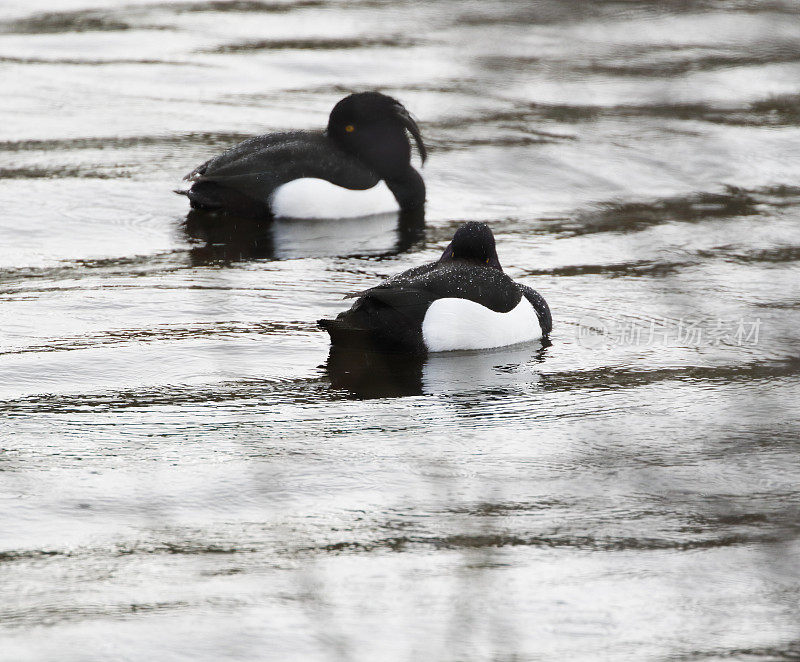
(310, 197)
(463, 324)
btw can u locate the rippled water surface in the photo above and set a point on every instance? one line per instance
(187, 473)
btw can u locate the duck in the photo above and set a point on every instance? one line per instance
(463, 301)
(360, 165)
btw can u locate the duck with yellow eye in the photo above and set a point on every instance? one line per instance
(359, 166)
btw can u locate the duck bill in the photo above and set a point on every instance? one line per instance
(494, 263)
(413, 129)
(447, 255)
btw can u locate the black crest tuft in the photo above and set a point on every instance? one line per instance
(373, 126)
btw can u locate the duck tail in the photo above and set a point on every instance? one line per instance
(344, 334)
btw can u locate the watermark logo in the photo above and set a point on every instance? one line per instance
(594, 332)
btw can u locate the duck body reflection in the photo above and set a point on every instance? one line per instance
(226, 238)
(368, 374)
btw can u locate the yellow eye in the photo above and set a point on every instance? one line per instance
(487, 260)
(349, 128)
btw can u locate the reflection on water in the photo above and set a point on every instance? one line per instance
(367, 374)
(372, 374)
(224, 238)
(379, 235)
(183, 473)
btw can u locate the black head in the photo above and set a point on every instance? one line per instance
(373, 127)
(473, 242)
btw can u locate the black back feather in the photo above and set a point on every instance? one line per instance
(390, 315)
(248, 173)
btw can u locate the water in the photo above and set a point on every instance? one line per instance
(187, 474)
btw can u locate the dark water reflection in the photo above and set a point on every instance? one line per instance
(372, 374)
(187, 471)
(223, 238)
